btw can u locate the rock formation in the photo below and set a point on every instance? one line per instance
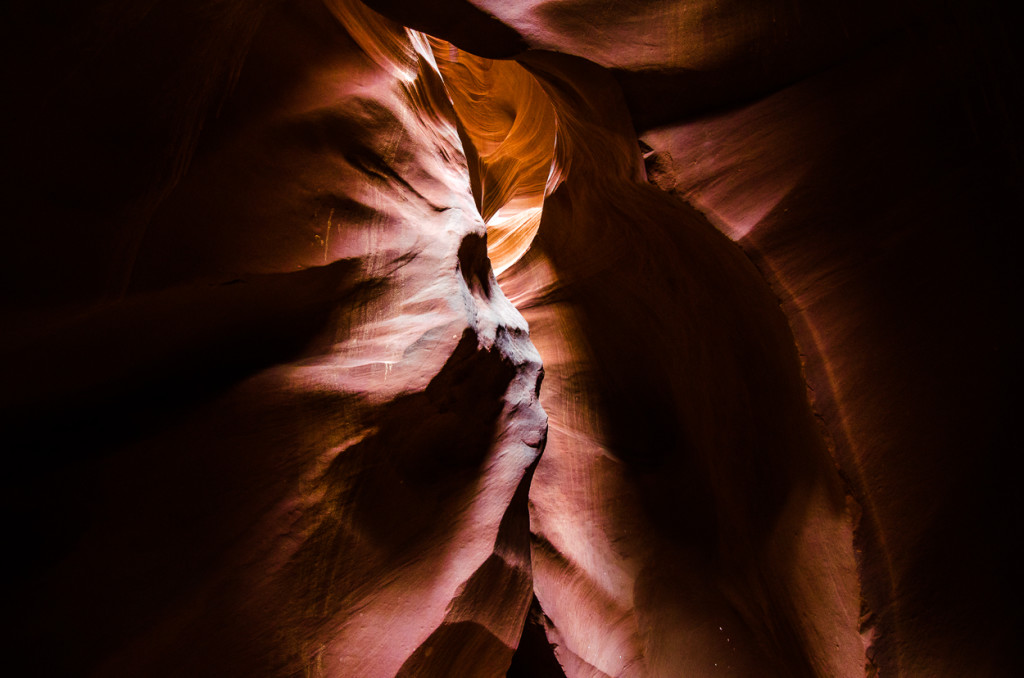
(473, 338)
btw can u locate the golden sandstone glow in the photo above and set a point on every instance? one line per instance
(508, 127)
(506, 120)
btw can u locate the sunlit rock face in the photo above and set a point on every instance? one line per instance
(268, 410)
(508, 127)
(300, 440)
(863, 161)
(686, 514)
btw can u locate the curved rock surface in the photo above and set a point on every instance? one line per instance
(687, 516)
(508, 127)
(268, 410)
(300, 440)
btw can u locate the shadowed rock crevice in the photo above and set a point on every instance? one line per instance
(122, 369)
(535, 657)
(105, 380)
(425, 450)
(472, 262)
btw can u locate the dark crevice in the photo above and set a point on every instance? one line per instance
(535, 656)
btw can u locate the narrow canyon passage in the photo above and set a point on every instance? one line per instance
(541, 339)
(685, 506)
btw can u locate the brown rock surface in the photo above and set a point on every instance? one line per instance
(687, 515)
(300, 441)
(267, 409)
(874, 198)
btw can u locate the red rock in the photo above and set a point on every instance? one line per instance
(302, 439)
(268, 411)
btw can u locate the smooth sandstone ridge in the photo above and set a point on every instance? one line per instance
(551, 339)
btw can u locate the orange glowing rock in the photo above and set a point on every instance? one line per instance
(281, 278)
(508, 129)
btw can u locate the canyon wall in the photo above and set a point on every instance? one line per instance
(472, 338)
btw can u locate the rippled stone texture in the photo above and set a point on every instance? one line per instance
(687, 514)
(266, 411)
(300, 439)
(870, 189)
(508, 127)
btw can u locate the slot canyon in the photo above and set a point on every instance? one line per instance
(543, 339)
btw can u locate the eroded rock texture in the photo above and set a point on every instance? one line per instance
(300, 439)
(268, 409)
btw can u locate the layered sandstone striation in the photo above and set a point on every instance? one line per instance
(280, 279)
(299, 439)
(687, 512)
